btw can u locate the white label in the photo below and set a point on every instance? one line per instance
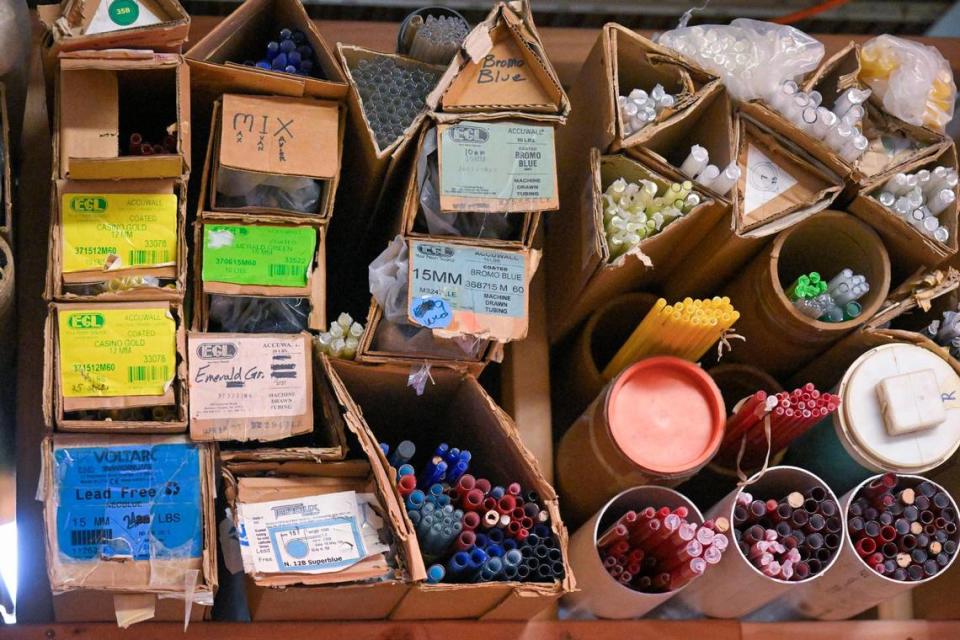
(315, 534)
(117, 15)
(765, 180)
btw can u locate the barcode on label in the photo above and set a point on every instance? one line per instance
(84, 537)
(285, 270)
(148, 256)
(148, 373)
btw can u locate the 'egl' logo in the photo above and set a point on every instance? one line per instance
(88, 204)
(467, 133)
(434, 251)
(216, 351)
(85, 321)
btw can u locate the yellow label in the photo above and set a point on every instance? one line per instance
(116, 352)
(118, 231)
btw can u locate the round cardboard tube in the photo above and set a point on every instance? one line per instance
(7, 333)
(602, 335)
(780, 339)
(600, 594)
(853, 587)
(734, 587)
(658, 422)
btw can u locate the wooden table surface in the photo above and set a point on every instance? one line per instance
(526, 396)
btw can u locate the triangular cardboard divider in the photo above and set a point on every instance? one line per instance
(508, 77)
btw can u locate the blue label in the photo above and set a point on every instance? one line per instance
(431, 312)
(329, 543)
(141, 502)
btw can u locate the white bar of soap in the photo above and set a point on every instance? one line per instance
(911, 402)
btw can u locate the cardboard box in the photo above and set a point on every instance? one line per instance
(910, 249)
(139, 363)
(105, 606)
(502, 67)
(580, 274)
(779, 181)
(6, 182)
(130, 515)
(302, 139)
(380, 406)
(250, 387)
(105, 234)
(157, 25)
(354, 593)
(264, 257)
(101, 101)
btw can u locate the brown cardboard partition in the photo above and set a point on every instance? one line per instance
(313, 293)
(102, 101)
(581, 276)
(355, 593)
(135, 589)
(166, 413)
(708, 122)
(779, 339)
(86, 202)
(778, 180)
(910, 248)
(6, 182)
(501, 67)
(382, 408)
(303, 140)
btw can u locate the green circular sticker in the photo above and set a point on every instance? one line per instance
(124, 12)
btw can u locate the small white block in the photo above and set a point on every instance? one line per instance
(911, 402)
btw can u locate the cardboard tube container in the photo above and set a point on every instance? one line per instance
(853, 587)
(658, 422)
(734, 587)
(602, 335)
(599, 593)
(780, 339)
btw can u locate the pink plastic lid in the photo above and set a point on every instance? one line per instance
(666, 415)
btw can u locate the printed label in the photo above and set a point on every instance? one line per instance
(497, 167)
(258, 255)
(111, 231)
(314, 534)
(765, 180)
(479, 287)
(247, 377)
(139, 502)
(117, 15)
(117, 352)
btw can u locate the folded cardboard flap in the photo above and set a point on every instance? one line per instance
(460, 412)
(163, 413)
(154, 246)
(777, 179)
(100, 492)
(101, 103)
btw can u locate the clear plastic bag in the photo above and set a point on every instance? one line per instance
(241, 189)
(254, 314)
(751, 57)
(914, 81)
(498, 226)
(388, 286)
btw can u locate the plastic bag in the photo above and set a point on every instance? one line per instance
(240, 189)
(914, 81)
(751, 57)
(388, 285)
(499, 226)
(252, 314)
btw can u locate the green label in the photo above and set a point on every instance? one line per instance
(258, 255)
(124, 12)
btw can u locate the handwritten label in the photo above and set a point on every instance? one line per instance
(288, 136)
(494, 69)
(431, 312)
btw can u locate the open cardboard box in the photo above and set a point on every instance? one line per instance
(88, 201)
(303, 138)
(502, 67)
(166, 413)
(356, 592)
(101, 101)
(910, 248)
(267, 268)
(382, 408)
(6, 182)
(581, 275)
(90, 522)
(69, 24)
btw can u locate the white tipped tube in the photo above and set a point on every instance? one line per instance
(839, 136)
(849, 98)
(706, 177)
(727, 179)
(843, 276)
(940, 201)
(898, 185)
(855, 148)
(695, 162)
(826, 121)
